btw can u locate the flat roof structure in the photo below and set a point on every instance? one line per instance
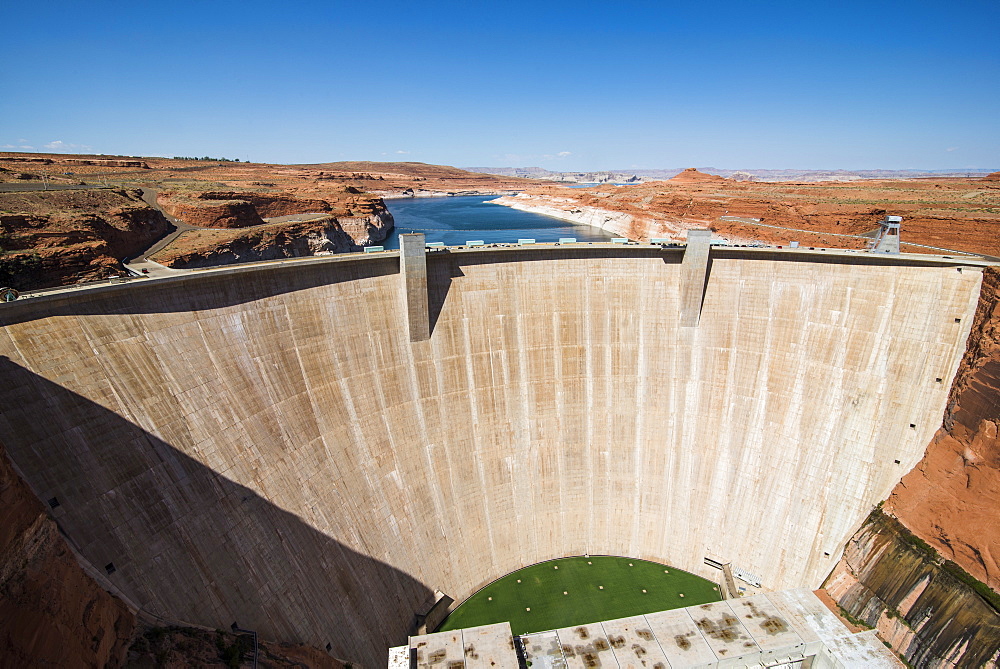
(484, 647)
(792, 628)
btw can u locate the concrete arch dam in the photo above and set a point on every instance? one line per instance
(265, 444)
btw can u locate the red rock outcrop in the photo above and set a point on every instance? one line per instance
(51, 612)
(230, 209)
(209, 248)
(692, 176)
(209, 212)
(101, 162)
(951, 497)
(992, 176)
(922, 609)
(53, 238)
(28, 159)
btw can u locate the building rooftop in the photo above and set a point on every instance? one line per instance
(761, 630)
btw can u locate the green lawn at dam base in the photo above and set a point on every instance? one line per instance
(579, 590)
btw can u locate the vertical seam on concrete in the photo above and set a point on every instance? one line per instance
(446, 446)
(587, 325)
(609, 388)
(641, 378)
(557, 401)
(524, 421)
(433, 492)
(474, 429)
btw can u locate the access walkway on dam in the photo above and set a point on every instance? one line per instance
(818, 254)
(267, 443)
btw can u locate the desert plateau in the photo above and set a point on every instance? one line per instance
(66, 220)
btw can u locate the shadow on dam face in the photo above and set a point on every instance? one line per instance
(173, 532)
(266, 445)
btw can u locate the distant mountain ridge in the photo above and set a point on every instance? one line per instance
(609, 176)
(633, 176)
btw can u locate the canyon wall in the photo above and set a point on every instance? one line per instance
(276, 241)
(893, 582)
(264, 444)
(951, 497)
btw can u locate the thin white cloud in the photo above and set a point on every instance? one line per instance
(951, 148)
(401, 152)
(26, 146)
(518, 159)
(59, 145)
(7, 146)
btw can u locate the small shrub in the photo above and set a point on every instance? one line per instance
(154, 634)
(19, 270)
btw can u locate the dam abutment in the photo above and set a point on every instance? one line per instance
(282, 417)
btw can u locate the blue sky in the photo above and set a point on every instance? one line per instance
(561, 85)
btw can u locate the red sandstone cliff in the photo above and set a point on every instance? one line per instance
(51, 238)
(208, 248)
(51, 612)
(332, 218)
(952, 497)
(215, 209)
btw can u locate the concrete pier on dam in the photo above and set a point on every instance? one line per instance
(265, 444)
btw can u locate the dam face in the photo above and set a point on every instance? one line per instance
(265, 445)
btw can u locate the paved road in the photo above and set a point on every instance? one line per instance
(297, 218)
(144, 267)
(149, 197)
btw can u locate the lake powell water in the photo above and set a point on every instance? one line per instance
(456, 220)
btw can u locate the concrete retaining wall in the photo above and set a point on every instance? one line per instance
(269, 447)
